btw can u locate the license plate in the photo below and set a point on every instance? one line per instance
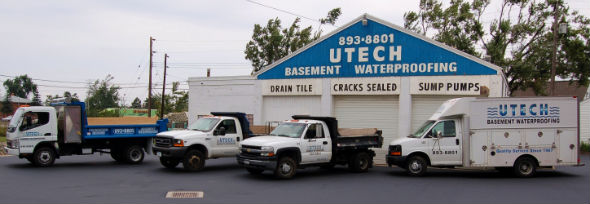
(159, 154)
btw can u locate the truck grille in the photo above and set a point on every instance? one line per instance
(250, 147)
(248, 150)
(163, 142)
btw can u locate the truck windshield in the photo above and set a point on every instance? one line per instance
(15, 120)
(204, 124)
(293, 130)
(422, 129)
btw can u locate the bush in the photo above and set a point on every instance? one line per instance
(2, 131)
(585, 147)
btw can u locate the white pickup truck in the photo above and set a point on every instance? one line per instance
(210, 137)
(309, 141)
(515, 135)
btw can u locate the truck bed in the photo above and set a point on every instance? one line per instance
(348, 140)
(124, 131)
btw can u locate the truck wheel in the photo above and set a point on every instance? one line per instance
(169, 163)
(416, 166)
(133, 154)
(116, 155)
(285, 168)
(44, 157)
(194, 160)
(524, 167)
(255, 171)
(359, 162)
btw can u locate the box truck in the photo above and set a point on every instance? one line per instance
(515, 135)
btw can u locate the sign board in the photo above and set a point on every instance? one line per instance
(540, 112)
(375, 49)
(292, 87)
(365, 86)
(448, 85)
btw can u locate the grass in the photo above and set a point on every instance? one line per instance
(2, 139)
(585, 147)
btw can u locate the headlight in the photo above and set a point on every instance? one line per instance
(12, 144)
(267, 149)
(178, 143)
(10, 129)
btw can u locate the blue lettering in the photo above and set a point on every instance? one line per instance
(503, 111)
(531, 109)
(523, 109)
(543, 110)
(513, 106)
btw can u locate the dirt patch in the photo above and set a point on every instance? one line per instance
(121, 120)
(2, 150)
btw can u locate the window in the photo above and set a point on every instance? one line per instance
(314, 131)
(446, 128)
(229, 125)
(34, 119)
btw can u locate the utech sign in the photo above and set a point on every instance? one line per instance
(374, 49)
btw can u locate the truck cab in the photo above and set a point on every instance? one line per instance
(30, 127)
(307, 141)
(209, 137)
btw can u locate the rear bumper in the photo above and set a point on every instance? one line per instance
(265, 163)
(396, 160)
(173, 152)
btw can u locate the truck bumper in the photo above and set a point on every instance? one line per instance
(10, 151)
(174, 152)
(266, 163)
(396, 160)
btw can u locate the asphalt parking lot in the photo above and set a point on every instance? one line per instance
(98, 179)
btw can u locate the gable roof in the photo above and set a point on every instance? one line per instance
(348, 30)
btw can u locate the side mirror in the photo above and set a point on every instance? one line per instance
(438, 135)
(220, 131)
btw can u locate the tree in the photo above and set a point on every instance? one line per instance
(272, 42)
(521, 44)
(136, 103)
(20, 86)
(101, 95)
(177, 101)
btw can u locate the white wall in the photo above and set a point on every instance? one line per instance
(236, 93)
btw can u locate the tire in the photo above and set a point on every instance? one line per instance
(44, 157)
(286, 168)
(360, 162)
(169, 163)
(525, 167)
(133, 154)
(255, 171)
(194, 160)
(116, 155)
(416, 166)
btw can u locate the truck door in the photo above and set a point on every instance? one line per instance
(315, 145)
(445, 143)
(225, 136)
(34, 128)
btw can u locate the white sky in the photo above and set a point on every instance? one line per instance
(81, 41)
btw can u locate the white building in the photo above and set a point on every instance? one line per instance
(368, 73)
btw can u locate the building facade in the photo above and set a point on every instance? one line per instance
(367, 73)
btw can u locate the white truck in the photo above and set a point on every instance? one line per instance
(209, 137)
(515, 135)
(309, 141)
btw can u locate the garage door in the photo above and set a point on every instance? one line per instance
(379, 112)
(279, 108)
(424, 106)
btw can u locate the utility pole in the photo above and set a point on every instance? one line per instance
(554, 57)
(163, 88)
(150, 85)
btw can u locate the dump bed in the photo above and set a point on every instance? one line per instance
(348, 138)
(125, 131)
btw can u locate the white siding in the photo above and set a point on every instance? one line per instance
(424, 106)
(379, 112)
(585, 121)
(279, 108)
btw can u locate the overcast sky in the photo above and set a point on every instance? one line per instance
(64, 44)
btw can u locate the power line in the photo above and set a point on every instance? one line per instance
(284, 11)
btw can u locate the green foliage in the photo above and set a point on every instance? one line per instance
(521, 44)
(108, 113)
(101, 95)
(3, 134)
(585, 147)
(177, 101)
(271, 42)
(136, 103)
(20, 86)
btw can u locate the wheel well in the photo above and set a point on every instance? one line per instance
(527, 156)
(47, 144)
(293, 153)
(421, 154)
(201, 148)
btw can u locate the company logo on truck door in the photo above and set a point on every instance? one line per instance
(541, 113)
